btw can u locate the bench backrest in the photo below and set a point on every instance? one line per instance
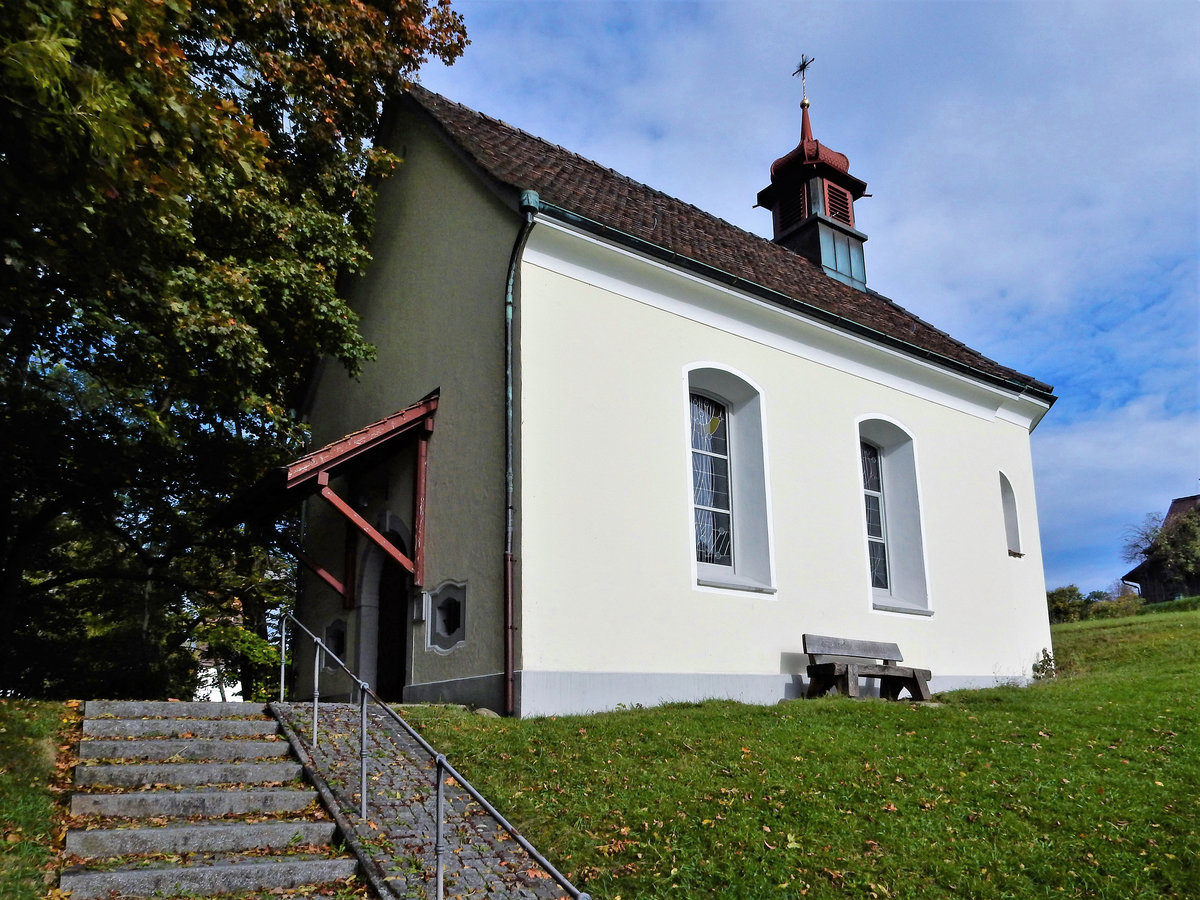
(822, 645)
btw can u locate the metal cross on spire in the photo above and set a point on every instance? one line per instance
(805, 62)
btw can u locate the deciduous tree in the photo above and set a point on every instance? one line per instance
(1067, 604)
(1169, 548)
(182, 185)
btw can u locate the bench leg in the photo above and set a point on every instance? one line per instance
(817, 686)
(919, 688)
(848, 683)
(890, 687)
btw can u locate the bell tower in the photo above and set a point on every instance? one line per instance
(811, 197)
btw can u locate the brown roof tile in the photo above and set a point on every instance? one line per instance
(303, 471)
(614, 201)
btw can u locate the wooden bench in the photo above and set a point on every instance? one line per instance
(840, 662)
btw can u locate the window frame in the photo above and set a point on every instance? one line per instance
(751, 553)
(712, 475)
(437, 638)
(877, 494)
(901, 511)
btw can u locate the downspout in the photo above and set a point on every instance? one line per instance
(529, 206)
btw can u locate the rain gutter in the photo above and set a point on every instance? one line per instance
(530, 204)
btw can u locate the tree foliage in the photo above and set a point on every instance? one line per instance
(1177, 549)
(183, 185)
(1069, 604)
(1169, 548)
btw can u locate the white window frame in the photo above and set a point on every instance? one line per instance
(437, 637)
(752, 557)
(908, 584)
(882, 538)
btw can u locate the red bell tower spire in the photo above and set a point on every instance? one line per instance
(811, 197)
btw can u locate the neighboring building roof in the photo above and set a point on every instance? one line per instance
(1181, 506)
(1145, 571)
(615, 203)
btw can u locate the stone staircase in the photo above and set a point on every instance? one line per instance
(192, 799)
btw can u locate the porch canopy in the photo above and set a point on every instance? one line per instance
(311, 474)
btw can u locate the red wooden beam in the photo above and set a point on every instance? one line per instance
(321, 572)
(419, 503)
(362, 524)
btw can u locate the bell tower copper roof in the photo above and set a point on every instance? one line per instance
(808, 152)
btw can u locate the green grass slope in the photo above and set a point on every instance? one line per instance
(27, 803)
(1084, 786)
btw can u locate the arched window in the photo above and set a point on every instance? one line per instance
(872, 473)
(1012, 530)
(892, 518)
(729, 490)
(712, 506)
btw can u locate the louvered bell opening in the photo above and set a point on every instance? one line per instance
(793, 208)
(839, 204)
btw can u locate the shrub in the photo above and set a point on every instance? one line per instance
(1044, 667)
(1180, 604)
(1116, 608)
(1066, 604)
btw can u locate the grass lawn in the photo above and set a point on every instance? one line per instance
(1084, 786)
(28, 748)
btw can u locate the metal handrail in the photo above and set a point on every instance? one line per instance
(442, 766)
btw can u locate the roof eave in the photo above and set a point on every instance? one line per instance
(1029, 388)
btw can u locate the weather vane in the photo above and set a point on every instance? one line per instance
(805, 62)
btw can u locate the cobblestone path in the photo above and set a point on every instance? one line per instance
(481, 858)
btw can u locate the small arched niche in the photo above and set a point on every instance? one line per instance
(1012, 527)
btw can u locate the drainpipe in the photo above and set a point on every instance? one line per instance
(529, 207)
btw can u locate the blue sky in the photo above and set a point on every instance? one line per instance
(1035, 167)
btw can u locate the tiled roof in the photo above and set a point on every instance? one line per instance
(589, 190)
(303, 471)
(289, 484)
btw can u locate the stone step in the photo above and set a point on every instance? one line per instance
(223, 837)
(137, 709)
(173, 728)
(182, 749)
(139, 774)
(222, 877)
(191, 803)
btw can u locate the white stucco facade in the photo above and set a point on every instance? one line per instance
(613, 608)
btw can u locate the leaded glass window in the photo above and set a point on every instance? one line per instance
(711, 500)
(872, 474)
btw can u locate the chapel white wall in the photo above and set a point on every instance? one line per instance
(608, 583)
